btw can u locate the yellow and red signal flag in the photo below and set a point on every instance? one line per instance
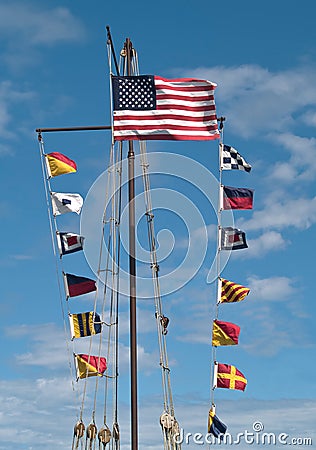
(224, 333)
(59, 164)
(230, 292)
(228, 377)
(89, 365)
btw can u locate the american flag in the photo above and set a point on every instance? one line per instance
(150, 107)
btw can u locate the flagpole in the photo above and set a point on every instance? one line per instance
(132, 275)
(220, 205)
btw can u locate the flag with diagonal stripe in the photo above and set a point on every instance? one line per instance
(232, 292)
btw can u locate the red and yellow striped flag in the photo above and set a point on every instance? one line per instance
(232, 292)
(58, 164)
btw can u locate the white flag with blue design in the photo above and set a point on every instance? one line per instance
(64, 203)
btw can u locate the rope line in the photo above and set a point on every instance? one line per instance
(218, 259)
(58, 261)
(168, 432)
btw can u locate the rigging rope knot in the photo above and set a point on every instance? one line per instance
(164, 321)
(221, 121)
(164, 367)
(116, 431)
(150, 216)
(155, 266)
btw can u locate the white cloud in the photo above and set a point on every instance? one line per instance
(258, 101)
(53, 350)
(38, 26)
(26, 28)
(299, 213)
(21, 257)
(267, 242)
(283, 172)
(35, 408)
(309, 118)
(302, 164)
(273, 288)
(10, 96)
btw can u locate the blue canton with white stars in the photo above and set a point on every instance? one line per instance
(134, 93)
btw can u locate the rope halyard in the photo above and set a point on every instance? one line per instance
(106, 300)
(58, 262)
(168, 422)
(218, 252)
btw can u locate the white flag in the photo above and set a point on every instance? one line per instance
(63, 203)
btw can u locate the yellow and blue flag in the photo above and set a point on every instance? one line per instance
(215, 426)
(84, 324)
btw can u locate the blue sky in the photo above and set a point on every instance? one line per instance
(54, 72)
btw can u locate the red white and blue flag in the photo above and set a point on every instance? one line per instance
(69, 243)
(237, 198)
(232, 239)
(150, 107)
(76, 285)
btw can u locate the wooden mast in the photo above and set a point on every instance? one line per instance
(132, 272)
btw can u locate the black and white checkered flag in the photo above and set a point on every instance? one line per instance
(231, 159)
